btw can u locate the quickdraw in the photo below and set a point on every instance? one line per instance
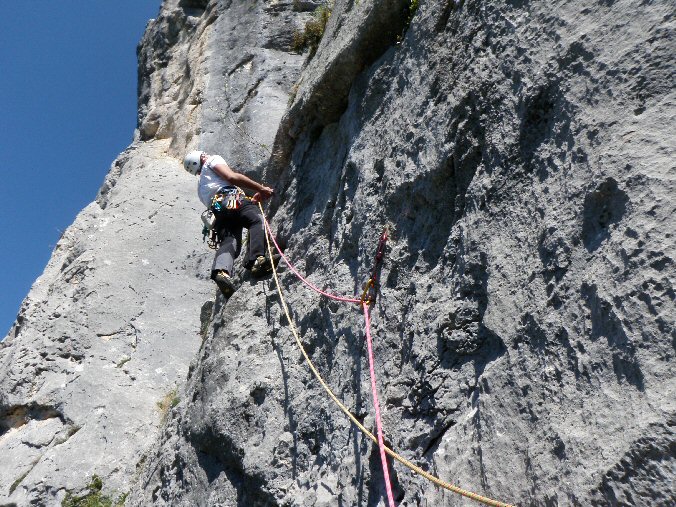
(212, 242)
(368, 297)
(370, 284)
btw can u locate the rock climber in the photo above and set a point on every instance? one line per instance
(219, 191)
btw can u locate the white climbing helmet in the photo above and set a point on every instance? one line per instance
(191, 162)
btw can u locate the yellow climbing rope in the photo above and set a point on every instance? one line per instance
(346, 411)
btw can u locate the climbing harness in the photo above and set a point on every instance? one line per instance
(229, 198)
(211, 237)
(208, 219)
(209, 229)
(414, 468)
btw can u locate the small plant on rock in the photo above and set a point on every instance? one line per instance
(16, 483)
(93, 497)
(170, 400)
(314, 31)
(411, 10)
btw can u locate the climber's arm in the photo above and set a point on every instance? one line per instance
(241, 180)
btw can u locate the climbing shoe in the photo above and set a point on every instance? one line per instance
(224, 282)
(263, 265)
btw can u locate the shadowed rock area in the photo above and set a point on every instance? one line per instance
(522, 155)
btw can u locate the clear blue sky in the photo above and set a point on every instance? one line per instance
(68, 92)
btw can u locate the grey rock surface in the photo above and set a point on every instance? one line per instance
(108, 331)
(103, 335)
(522, 154)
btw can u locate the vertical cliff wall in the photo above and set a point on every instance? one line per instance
(107, 332)
(522, 155)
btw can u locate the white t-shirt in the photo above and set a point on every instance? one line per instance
(210, 181)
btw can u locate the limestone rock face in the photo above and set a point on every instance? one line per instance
(107, 332)
(103, 334)
(521, 154)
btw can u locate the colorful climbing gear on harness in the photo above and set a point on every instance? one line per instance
(229, 198)
(213, 240)
(209, 229)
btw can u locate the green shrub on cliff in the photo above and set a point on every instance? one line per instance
(169, 401)
(314, 31)
(410, 13)
(93, 498)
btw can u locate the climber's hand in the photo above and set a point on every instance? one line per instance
(262, 195)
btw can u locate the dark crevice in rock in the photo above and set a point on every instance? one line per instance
(249, 95)
(70, 431)
(245, 61)
(603, 207)
(206, 314)
(436, 438)
(103, 197)
(280, 6)
(377, 493)
(15, 416)
(306, 5)
(193, 7)
(218, 454)
(211, 466)
(444, 15)
(545, 117)
(20, 479)
(15, 329)
(71, 257)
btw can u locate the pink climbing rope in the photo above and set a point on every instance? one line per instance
(300, 277)
(365, 306)
(379, 426)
